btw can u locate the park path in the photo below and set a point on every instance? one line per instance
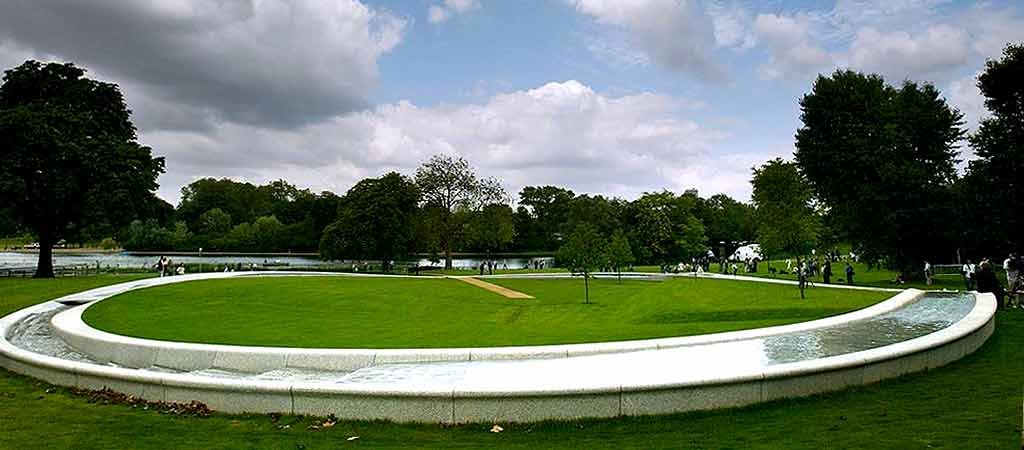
(501, 290)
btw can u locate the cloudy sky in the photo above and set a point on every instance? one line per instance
(603, 96)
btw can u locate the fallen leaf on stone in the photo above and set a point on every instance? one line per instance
(497, 429)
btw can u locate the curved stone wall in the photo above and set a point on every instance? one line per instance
(479, 398)
(141, 353)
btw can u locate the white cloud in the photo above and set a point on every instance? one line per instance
(965, 96)
(792, 54)
(897, 55)
(444, 11)
(559, 133)
(676, 34)
(733, 25)
(992, 28)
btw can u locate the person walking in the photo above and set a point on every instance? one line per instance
(849, 274)
(928, 273)
(826, 272)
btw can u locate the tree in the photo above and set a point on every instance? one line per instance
(881, 160)
(787, 220)
(452, 190)
(727, 220)
(546, 210)
(618, 254)
(492, 228)
(268, 234)
(596, 210)
(375, 221)
(68, 147)
(664, 228)
(215, 222)
(582, 253)
(992, 191)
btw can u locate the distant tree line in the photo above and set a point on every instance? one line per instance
(443, 209)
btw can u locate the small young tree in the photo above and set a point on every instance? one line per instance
(582, 253)
(618, 254)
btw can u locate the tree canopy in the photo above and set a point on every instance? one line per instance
(453, 192)
(583, 253)
(375, 221)
(68, 154)
(787, 222)
(992, 191)
(881, 159)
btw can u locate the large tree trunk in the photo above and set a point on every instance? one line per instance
(44, 268)
(448, 256)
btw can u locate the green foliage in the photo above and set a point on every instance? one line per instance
(664, 228)
(881, 159)
(301, 214)
(727, 220)
(68, 154)
(492, 228)
(583, 253)
(617, 254)
(542, 212)
(268, 233)
(788, 223)
(375, 221)
(109, 244)
(991, 193)
(453, 192)
(214, 222)
(150, 235)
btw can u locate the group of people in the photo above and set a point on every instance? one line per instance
(489, 266)
(812, 267)
(982, 277)
(166, 267)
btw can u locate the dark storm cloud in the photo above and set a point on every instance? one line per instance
(278, 64)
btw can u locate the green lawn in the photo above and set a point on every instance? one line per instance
(435, 312)
(972, 404)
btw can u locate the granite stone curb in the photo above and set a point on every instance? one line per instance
(140, 353)
(462, 402)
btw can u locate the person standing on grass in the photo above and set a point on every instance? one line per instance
(928, 273)
(968, 272)
(987, 282)
(849, 274)
(826, 272)
(1012, 266)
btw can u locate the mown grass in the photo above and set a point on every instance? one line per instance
(437, 312)
(972, 404)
